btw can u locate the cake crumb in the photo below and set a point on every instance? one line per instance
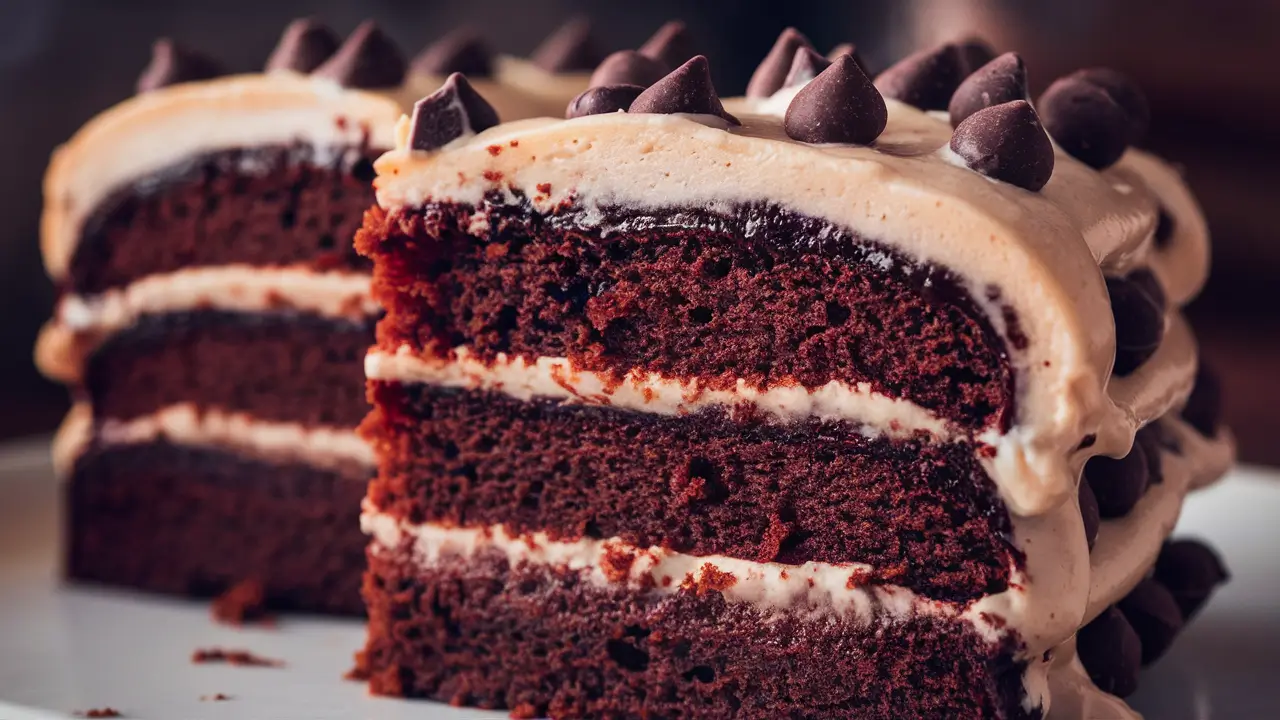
(616, 562)
(492, 175)
(515, 143)
(544, 188)
(712, 579)
(99, 713)
(243, 603)
(216, 697)
(859, 578)
(239, 658)
(494, 150)
(525, 711)
(360, 671)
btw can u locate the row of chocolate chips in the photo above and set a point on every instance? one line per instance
(369, 59)
(1093, 114)
(624, 80)
(1139, 629)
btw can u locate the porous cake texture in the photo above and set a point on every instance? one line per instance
(780, 406)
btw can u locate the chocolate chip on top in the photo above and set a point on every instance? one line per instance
(1117, 484)
(1154, 615)
(628, 67)
(304, 46)
(453, 111)
(570, 48)
(1125, 91)
(771, 74)
(603, 99)
(672, 45)
(367, 59)
(805, 66)
(974, 53)
(1111, 653)
(1086, 121)
(849, 49)
(1002, 80)
(1139, 321)
(925, 79)
(172, 64)
(687, 89)
(1007, 143)
(840, 105)
(461, 51)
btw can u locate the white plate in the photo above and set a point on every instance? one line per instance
(66, 648)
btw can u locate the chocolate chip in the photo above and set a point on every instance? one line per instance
(1203, 410)
(304, 46)
(850, 49)
(367, 59)
(1089, 513)
(1119, 484)
(1125, 91)
(1191, 572)
(603, 99)
(449, 113)
(1085, 121)
(1150, 284)
(1151, 439)
(771, 74)
(805, 66)
(569, 49)
(1139, 324)
(1111, 653)
(628, 67)
(1000, 81)
(461, 51)
(172, 64)
(1154, 615)
(1164, 229)
(1006, 143)
(672, 45)
(925, 79)
(840, 105)
(974, 53)
(687, 89)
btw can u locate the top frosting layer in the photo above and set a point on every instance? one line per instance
(166, 126)
(1042, 254)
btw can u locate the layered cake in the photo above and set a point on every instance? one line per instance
(213, 316)
(847, 398)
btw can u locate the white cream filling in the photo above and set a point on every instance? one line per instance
(557, 379)
(186, 424)
(242, 288)
(820, 588)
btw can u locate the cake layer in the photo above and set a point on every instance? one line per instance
(541, 641)
(195, 521)
(922, 515)
(267, 206)
(755, 294)
(276, 366)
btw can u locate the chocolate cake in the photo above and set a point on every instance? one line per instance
(847, 398)
(214, 316)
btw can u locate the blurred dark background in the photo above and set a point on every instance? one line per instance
(1208, 67)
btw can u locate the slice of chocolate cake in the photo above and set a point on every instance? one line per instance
(214, 317)
(781, 410)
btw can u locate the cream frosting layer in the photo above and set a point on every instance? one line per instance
(235, 288)
(557, 379)
(187, 424)
(160, 129)
(1042, 251)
